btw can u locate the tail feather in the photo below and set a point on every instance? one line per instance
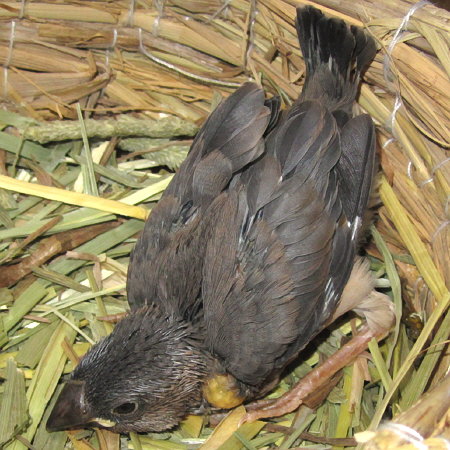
(365, 48)
(335, 55)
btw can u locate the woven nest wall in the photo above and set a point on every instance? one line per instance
(143, 76)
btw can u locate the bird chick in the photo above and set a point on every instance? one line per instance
(245, 257)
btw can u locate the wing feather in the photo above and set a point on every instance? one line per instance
(267, 257)
(166, 264)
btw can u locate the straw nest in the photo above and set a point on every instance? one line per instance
(69, 207)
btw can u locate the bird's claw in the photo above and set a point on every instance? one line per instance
(293, 399)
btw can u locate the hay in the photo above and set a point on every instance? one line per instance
(139, 62)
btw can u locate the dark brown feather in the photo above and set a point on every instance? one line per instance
(166, 264)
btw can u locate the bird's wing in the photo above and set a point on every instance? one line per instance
(356, 166)
(268, 275)
(167, 261)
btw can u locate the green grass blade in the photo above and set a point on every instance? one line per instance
(13, 409)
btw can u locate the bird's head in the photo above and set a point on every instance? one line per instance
(145, 376)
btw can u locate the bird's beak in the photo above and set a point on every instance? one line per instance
(70, 410)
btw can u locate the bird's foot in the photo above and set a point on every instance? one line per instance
(376, 308)
(312, 381)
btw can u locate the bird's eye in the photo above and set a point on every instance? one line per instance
(125, 408)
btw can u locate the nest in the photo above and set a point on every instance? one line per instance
(100, 101)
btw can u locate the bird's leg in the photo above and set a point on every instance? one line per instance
(379, 314)
(313, 380)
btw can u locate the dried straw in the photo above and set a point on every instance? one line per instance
(178, 58)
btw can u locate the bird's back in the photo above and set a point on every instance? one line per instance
(257, 233)
(293, 216)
